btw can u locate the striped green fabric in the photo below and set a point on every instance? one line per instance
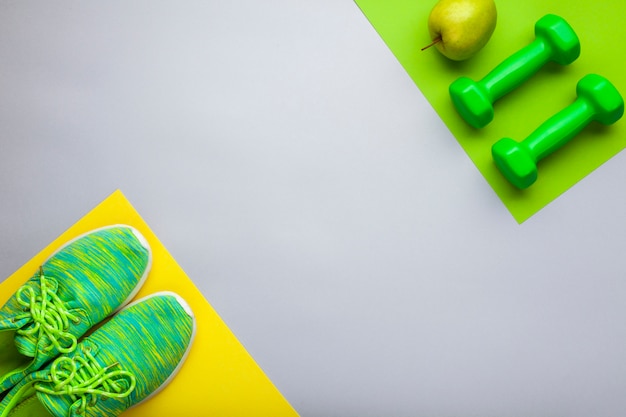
(124, 362)
(81, 284)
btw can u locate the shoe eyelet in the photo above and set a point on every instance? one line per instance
(77, 320)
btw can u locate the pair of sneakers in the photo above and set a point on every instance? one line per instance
(47, 367)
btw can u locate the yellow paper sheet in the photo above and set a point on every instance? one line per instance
(219, 377)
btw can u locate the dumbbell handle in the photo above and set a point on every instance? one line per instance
(559, 129)
(516, 69)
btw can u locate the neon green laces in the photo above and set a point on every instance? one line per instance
(47, 314)
(84, 380)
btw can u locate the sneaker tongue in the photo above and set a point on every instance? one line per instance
(26, 345)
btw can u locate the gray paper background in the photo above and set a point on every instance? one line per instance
(302, 181)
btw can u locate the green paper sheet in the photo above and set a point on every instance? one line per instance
(601, 29)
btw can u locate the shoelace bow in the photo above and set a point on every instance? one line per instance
(48, 314)
(84, 380)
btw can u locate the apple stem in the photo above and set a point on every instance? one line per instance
(435, 41)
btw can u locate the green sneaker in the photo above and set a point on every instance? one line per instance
(82, 283)
(126, 361)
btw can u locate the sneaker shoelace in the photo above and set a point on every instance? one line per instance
(84, 380)
(48, 315)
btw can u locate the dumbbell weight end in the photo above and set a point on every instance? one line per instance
(474, 100)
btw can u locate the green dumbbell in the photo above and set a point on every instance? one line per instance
(597, 100)
(555, 40)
